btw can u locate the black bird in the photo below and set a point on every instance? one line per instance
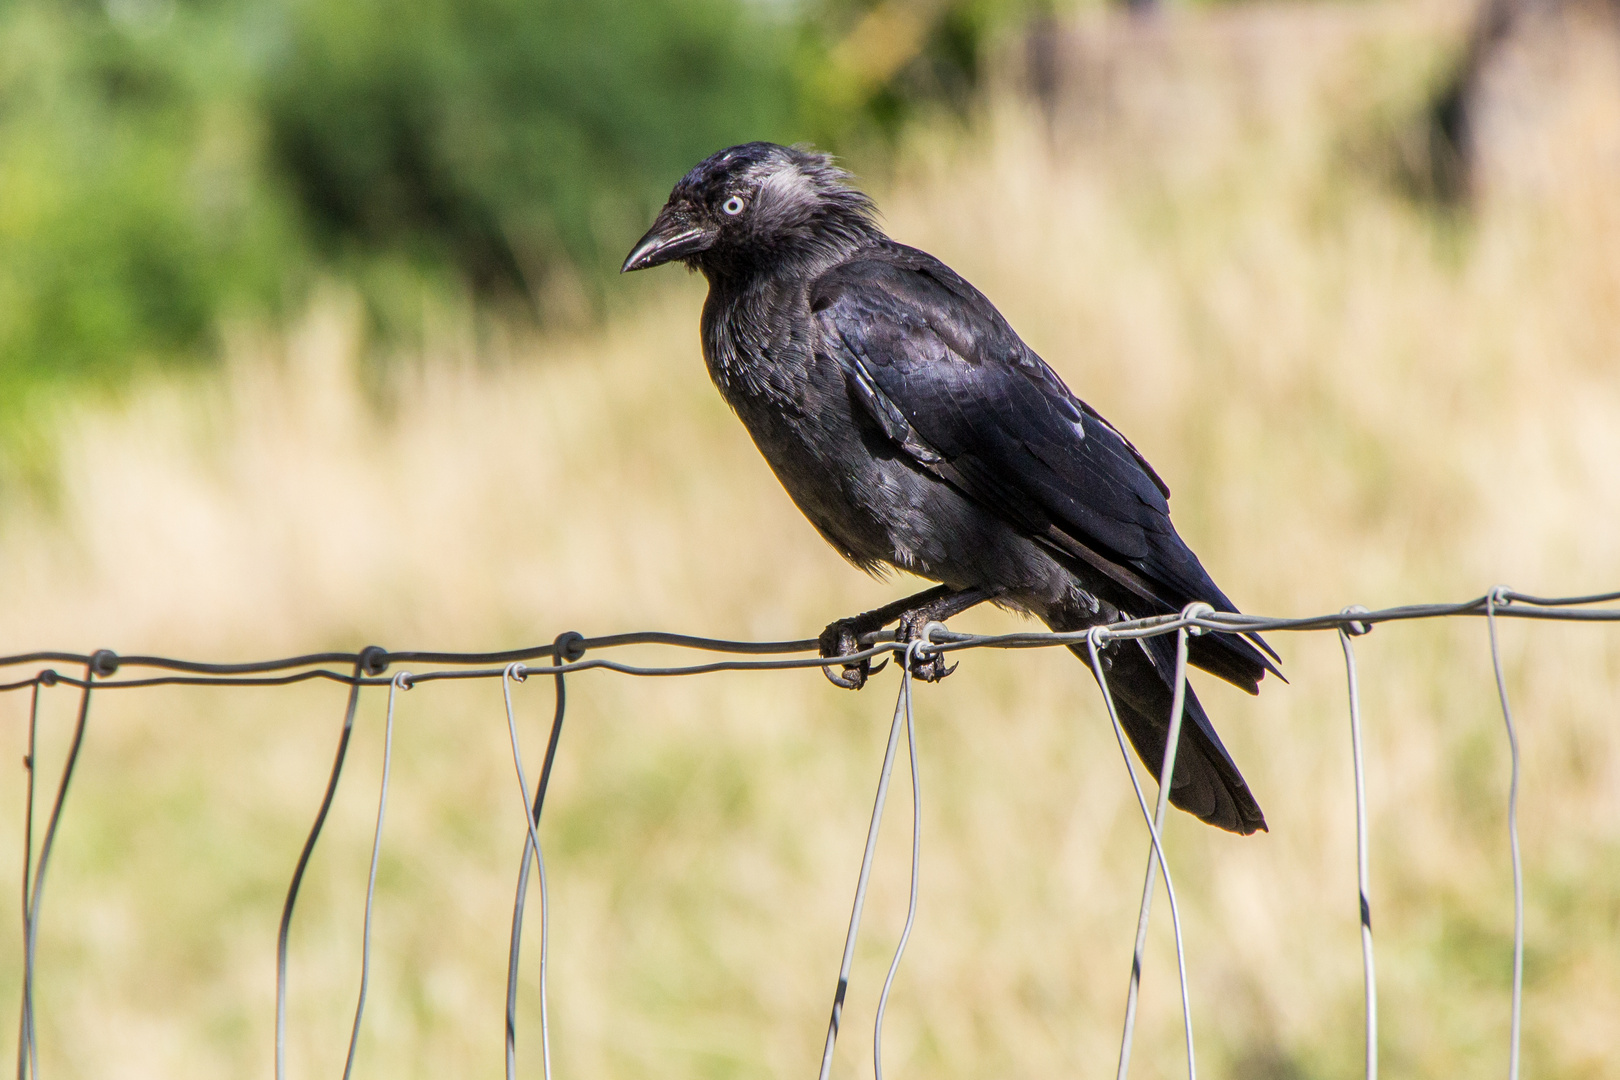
(915, 429)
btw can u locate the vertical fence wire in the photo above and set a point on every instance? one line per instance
(516, 672)
(402, 681)
(303, 862)
(1499, 595)
(913, 650)
(1363, 876)
(1096, 638)
(27, 1057)
(861, 882)
(45, 848)
(568, 646)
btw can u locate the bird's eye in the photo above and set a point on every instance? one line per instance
(733, 205)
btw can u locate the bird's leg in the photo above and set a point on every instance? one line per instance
(932, 668)
(843, 637)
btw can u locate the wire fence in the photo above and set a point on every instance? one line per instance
(573, 653)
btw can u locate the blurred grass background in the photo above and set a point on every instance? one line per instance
(1222, 225)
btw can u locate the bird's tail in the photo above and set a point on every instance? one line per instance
(1207, 784)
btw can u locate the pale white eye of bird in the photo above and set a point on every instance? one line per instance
(733, 206)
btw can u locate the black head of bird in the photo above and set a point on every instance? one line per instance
(754, 205)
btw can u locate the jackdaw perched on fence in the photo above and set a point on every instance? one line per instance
(915, 429)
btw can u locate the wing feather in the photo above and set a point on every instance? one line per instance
(949, 382)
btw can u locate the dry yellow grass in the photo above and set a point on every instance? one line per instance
(1352, 403)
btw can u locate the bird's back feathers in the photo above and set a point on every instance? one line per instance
(953, 385)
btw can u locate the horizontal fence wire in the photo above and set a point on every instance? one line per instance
(574, 653)
(374, 660)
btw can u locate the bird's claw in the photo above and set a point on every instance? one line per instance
(855, 675)
(927, 665)
(842, 639)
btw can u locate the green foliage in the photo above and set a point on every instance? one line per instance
(169, 165)
(133, 214)
(513, 139)
(872, 64)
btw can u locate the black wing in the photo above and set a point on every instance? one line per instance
(949, 381)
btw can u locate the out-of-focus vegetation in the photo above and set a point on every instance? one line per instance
(512, 141)
(168, 167)
(135, 209)
(1353, 401)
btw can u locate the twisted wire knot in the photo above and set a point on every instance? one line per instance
(569, 648)
(1196, 610)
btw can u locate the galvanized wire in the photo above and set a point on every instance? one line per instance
(565, 643)
(402, 681)
(105, 670)
(27, 1055)
(867, 856)
(1369, 976)
(1095, 638)
(30, 945)
(1504, 604)
(1497, 596)
(914, 651)
(516, 671)
(1156, 859)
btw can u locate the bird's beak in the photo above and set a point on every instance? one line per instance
(673, 236)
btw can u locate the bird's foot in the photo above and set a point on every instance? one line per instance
(843, 638)
(926, 664)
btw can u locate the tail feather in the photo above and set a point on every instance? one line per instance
(1233, 658)
(1206, 783)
